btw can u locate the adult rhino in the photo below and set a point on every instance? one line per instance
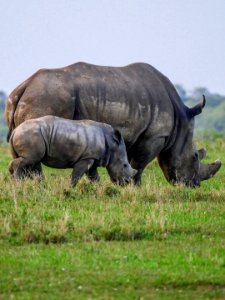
(136, 99)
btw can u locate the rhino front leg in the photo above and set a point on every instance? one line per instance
(143, 153)
(92, 174)
(79, 169)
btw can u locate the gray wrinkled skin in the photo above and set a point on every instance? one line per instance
(61, 143)
(137, 100)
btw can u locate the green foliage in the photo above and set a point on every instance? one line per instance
(213, 116)
(101, 241)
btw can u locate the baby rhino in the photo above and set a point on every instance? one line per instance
(62, 143)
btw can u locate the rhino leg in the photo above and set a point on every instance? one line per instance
(14, 169)
(21, 168)
(92, 174)
(143, 153)
(79, 169)
(35, 171)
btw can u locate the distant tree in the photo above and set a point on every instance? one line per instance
(2, 100)
(199, 91)
(211, 99)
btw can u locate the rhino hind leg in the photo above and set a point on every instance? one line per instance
(35, 171)
(143, 153)
(21, 168)
(79, 169)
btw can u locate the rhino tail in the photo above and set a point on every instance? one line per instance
(11, 105)
(13, 101)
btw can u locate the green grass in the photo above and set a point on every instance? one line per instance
(115, 270)
(102, 241)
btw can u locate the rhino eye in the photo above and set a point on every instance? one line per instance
(195, 156)
(125, 165)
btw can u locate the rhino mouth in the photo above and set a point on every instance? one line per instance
(122, 181)
(193, 183)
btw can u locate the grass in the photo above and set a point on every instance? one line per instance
(115, 270)
(102, 241)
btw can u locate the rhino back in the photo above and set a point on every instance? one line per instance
(50, 92)
(129, 98)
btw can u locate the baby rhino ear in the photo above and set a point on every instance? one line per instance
(117, 136)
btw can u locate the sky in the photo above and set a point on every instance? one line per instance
(185, 40)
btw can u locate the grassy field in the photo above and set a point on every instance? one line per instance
(102, 241)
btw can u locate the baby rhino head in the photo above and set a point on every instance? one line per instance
(119, 169)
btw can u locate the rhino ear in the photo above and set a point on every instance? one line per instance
(105, 159)
(197, 109)
(117, 137)
(202, 153)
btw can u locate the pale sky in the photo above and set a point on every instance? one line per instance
(184, 39)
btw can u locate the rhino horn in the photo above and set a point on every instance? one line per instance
(197, 109)
(208, 170)
(202, 153)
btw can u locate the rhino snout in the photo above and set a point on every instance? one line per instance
(194, 183)
(133, 172)
(129, 178)
(124, 181)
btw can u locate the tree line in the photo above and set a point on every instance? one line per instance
(213, 115)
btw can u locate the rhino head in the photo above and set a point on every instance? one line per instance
(118, 167)
(181, 163)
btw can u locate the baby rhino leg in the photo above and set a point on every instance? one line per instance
(21, 168)
(92, 174)
(14, 167)
(79, 169)
(29, 150)
(35, 171)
